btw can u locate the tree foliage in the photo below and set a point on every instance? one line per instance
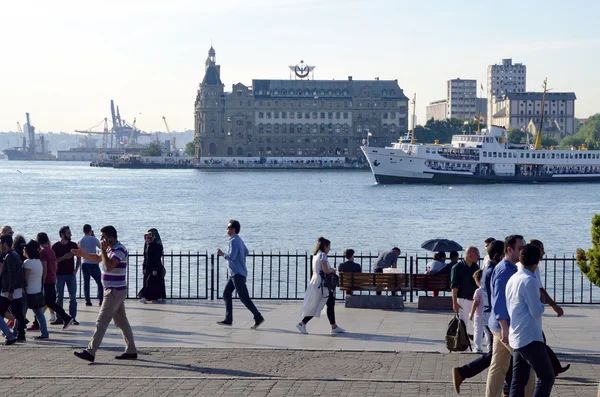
(190, 149)
(442, 130)
(515, 135)
(154, 149)
(589, 262)
(588, 134)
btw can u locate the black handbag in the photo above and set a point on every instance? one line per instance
(331, 281)
(36, 301)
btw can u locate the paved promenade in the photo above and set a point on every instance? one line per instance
(183, 353)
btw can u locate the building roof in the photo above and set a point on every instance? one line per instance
(537, 96)
(211, 77)
(327, 89)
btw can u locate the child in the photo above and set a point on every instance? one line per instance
(476, 314)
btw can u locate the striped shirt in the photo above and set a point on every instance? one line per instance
(116, 278)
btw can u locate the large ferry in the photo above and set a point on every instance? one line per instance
(486, 157)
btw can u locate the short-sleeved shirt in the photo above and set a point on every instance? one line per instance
(386, 259)
(36, 274)
(350, 267)
(461, 278)
(116, 278)
(88, 244)
(478, 296)
(66, 266)
(47, 255)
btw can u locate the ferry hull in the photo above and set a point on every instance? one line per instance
(453, 179)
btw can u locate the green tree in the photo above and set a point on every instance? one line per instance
(548, 141)
(154, 149)
(589, 262)
(190, 149)
(588, 134)
(515, 135)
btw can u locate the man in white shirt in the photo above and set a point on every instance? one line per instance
(525, 332)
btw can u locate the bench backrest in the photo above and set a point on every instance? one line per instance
(371, 281)
(427, 282)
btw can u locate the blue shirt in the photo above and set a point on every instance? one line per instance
(236, 256)
(486, 279)
(88, 244)
(500, 276)
(525, 308)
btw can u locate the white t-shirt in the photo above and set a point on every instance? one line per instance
(34, 283)
(537, 274)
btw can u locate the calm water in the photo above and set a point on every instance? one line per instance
(287, 210)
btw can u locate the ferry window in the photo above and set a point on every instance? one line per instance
(562, 155)
(527, 155)
(495, 154)
(504, 154)
(552, 155)
(543, 155)
(484, 154)
(521, 155)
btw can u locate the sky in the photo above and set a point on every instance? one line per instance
(64, 61)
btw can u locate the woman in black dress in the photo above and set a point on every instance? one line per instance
(154, 271)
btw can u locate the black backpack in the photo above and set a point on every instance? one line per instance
(457, 339)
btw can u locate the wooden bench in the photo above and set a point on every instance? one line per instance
(426, 283)
(374, 282)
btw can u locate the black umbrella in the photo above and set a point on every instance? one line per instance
(441, 245)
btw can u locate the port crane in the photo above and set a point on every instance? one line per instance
(174, 147)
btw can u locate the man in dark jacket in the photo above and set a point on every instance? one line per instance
(12, 283)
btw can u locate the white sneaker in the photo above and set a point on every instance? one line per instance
(143, 300)
(53, 317)
(302, 328)
(337, 330)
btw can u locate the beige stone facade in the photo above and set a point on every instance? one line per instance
(301, 118)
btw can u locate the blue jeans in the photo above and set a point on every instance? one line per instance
(39, 316)
(533, 355)
(71, 281)
(238, 283)
(91, 270)
(486, 330)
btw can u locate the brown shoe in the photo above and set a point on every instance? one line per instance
(456, 379)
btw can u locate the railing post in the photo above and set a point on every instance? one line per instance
(411, 279)
(212, 277)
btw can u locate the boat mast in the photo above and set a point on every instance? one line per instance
(479, 122)
(538, 138)
(414, 101)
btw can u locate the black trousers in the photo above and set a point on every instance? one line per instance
(50, 299)
(330, 310)
(17, 311)
(238, 283)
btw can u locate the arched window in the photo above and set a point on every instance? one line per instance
(261, 128)
(322, 128)
(261, 151)
(268, 129)
(283, 128)
(299, 152)
(384, 128)
(291, 128)
(230, 151)
(276, 128)
(314, 129)
(307, 152)
(338, 128)
(268, 151)
(338, 151)
(240, 152)
(212, 149)
(392, 128)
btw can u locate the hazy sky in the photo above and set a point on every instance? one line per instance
(63, 61)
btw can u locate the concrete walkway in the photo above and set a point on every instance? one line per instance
(183, 352)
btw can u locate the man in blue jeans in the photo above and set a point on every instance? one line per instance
(66, 269)
(236, 265)
(525, 309)
(89, 244)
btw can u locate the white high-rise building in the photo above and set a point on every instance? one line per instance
(502, 79)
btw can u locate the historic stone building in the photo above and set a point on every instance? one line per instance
(296, 118)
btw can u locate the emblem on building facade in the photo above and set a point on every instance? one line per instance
(302, 70)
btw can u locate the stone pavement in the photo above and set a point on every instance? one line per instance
(184, 353)
(39, 371)
(193, 324)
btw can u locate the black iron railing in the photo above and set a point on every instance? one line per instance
(285, 276)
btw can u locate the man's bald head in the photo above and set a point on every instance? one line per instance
(471, 255)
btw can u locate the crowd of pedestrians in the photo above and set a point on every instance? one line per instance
(504, 300)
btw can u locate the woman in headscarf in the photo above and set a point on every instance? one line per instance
(154, 271)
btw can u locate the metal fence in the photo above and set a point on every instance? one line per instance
(285, 276)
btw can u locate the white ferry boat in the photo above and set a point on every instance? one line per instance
(486, 157)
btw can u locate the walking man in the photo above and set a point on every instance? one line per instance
(65, 273)
(114, 257)
(525, 333)
(236, 265)
(89, 243)
(499, 321)
(463, 284)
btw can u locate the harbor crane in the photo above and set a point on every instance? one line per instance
(174, 147)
